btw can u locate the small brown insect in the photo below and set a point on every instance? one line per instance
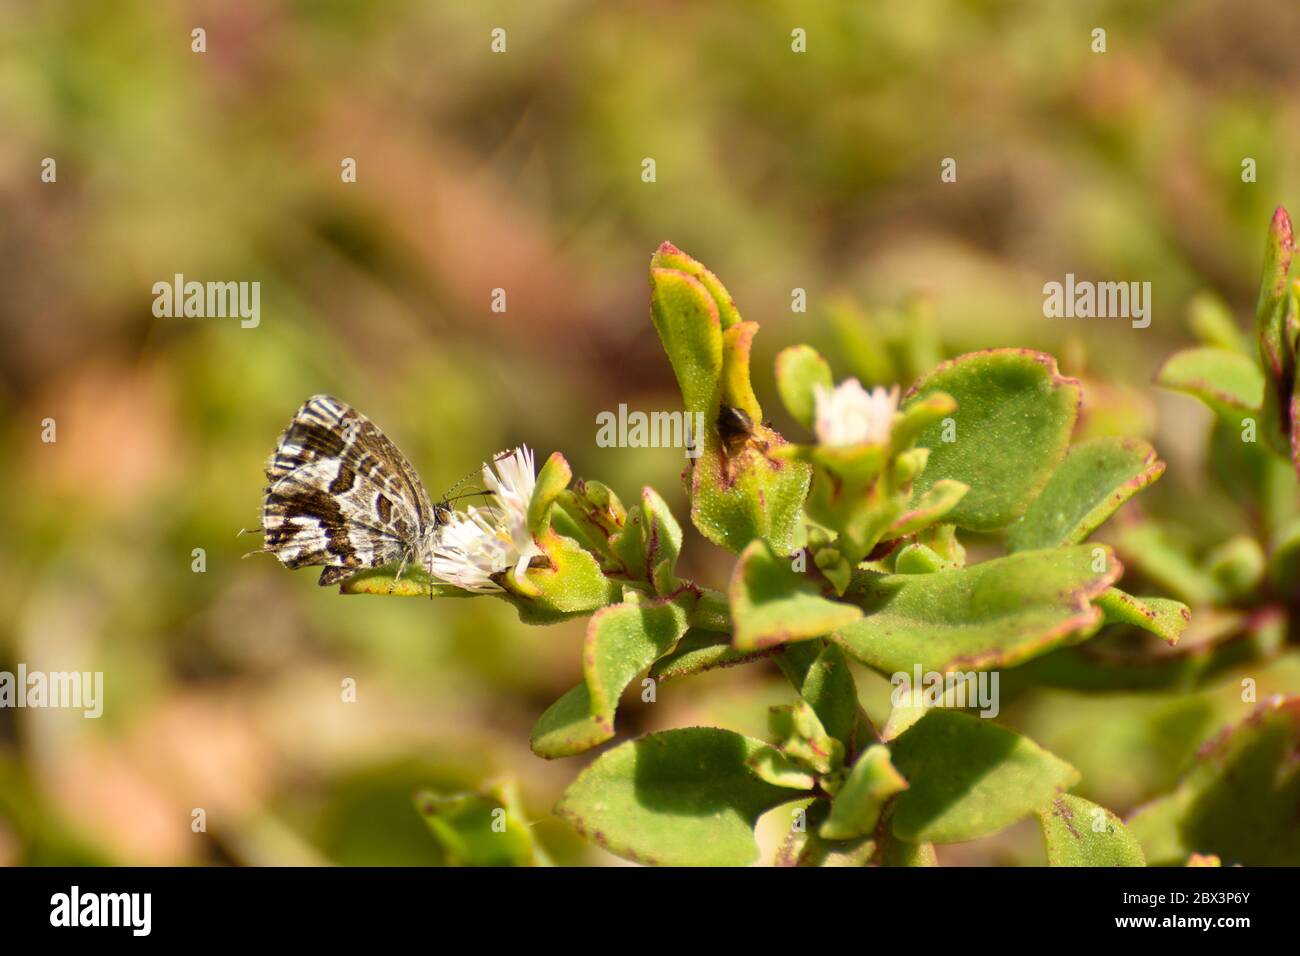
(735, 428)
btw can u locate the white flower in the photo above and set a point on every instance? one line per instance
(469, 547)
(850, 415)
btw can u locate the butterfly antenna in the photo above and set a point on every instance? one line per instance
(449, 495)
(469, 494)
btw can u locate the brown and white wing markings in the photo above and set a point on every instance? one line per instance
(341, 495)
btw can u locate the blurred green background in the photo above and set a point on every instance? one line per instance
(522, 171)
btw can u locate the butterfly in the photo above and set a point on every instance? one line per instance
(341, 495)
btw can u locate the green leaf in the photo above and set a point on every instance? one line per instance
(699, 651)
(968, 778)
(862, 344)
(1159, 558)
(663, 539)
(820, 674)
(1226, 381)
(649, 538)
(414, 582)
(1270, 312)
(748, 492)
(621, 642)
(805, 847)
(736, 388)
(1275, 344)
(914, 699)
(1240, 801)
(686, 317)
(551, 480)
(896, 852)
(712, 611)
(1212, 322)
(1096, 477)
(942, 540)
(597, 505)
(1284, 561)
(1079, 833)
(917, 416)
(1289, 400)
(918, 559)
(800, 735)
(1275, 318)
(751, 494)
(679, 798)
(590, 513)
(772, 604)
(989, 615)
(855, 811)
(834, 567)
(1223, 642)
(811, 850)
(1165, 618)
(1014, 415)
(569, 584)
(668, 256)
(798, 370)
(1238, 565)
(487, 828)
(782, 770)
(707, 343)
(1253, 474)
(928, 508)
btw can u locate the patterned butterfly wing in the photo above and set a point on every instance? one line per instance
(341, 495)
